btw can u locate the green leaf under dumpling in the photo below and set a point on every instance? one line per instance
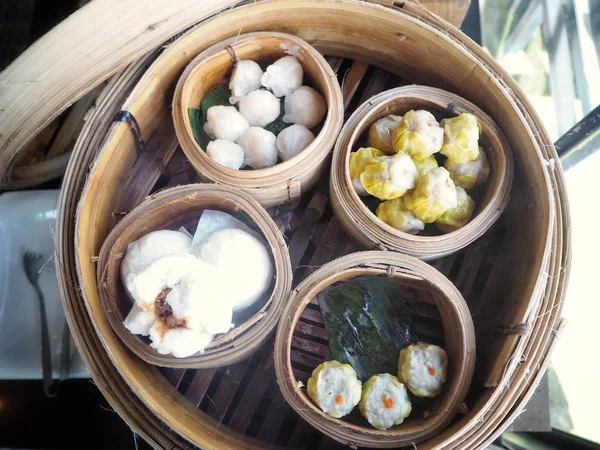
(278, 124)
(197, 124)
(218, 96)
(368, 322)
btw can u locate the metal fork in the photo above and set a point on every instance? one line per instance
(32, 265)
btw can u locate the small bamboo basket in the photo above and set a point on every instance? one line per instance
(459, 338)
(287, 180)
(371, 232)
(171, 209)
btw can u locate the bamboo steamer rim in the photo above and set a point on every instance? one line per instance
(459, 344)
(287, 178)
(159, 211)
(371, 231)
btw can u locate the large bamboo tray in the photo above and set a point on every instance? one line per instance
(311, 218)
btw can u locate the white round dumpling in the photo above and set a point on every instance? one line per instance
(244, 258)
(226, 153)
(245, 78)
(292, 140)
(259, 107)
(151, 247)
(260, 148)
(284, 76)
(208, 130)
(225, 122)
(304, 106)
(185, 292)
(180, 342)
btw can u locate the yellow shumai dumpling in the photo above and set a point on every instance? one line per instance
(381, 132)
(461, 137)
(425, 165)
(458, 217)
(384, 401)
(358, 161)
(423, 368)
(334, 387)
(418, 135)
(394, 213)
(469, 174)
(390, 177)
(434, 195)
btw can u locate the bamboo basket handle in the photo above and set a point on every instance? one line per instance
(398, 4)
(43, 171)
(393, 269)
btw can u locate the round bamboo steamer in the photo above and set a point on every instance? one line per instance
(487, 86)
(91, 348)
(459, 337)
(172, 209)
(289, 179)
(366, 227)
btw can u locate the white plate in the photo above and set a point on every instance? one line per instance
(27, 221)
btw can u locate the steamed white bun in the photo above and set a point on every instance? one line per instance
(139, 321)
(151, 247)
(244, 258)
(180, 342)
(197, 293)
